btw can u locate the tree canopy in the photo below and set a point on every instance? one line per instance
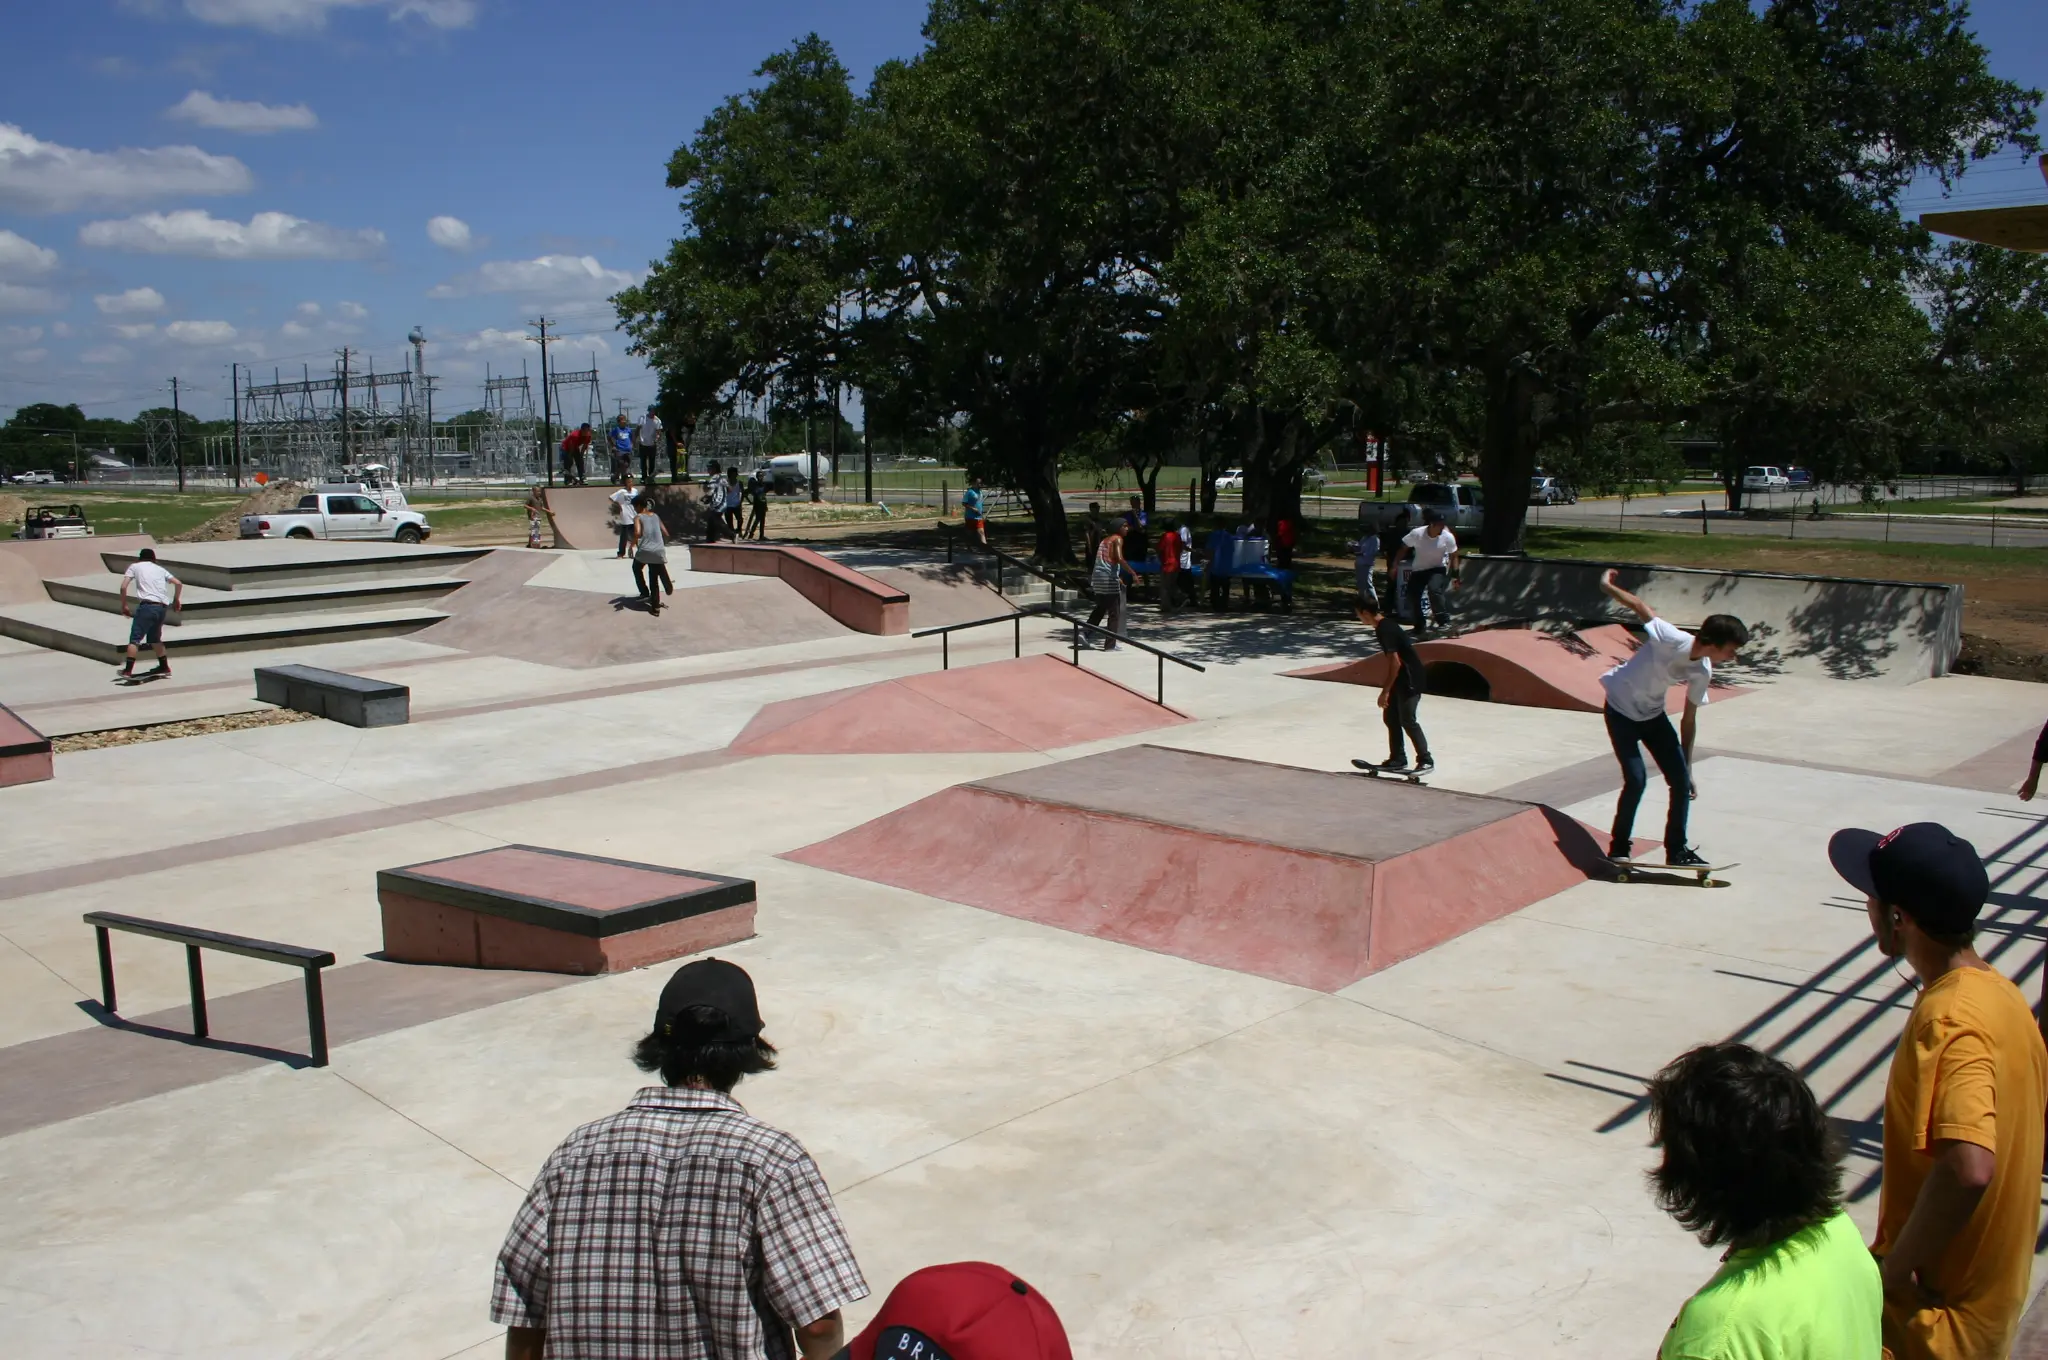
(1242, 232)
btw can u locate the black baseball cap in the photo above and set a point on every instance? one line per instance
(1433, 516)
(721, 986)
(1924, 869)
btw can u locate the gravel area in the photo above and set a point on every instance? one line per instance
(188, 727)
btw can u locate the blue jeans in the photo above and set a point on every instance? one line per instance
(147, 629)
(1629, 735)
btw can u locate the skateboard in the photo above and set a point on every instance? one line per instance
(1703, 872)
(1366, 767)
(141, 677)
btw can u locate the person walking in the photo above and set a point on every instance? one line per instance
(647, 440)
(1637, 691)
(1401, 694)
(757, 503)
(1432, 554)
(1750, 1165)
(714, 503)
(1106, 583)
(972, 514)
(735, 495)
(1960, 1199)
(619, 440)
(2032, 784)
(682, 1227)
(156, 594)
(650, 554)
(1169, 571)
(575, 445)
(622, 502)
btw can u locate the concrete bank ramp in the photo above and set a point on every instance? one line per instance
(1839, 627)
(582, 516)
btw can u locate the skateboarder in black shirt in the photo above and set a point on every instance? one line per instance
(1402, 693)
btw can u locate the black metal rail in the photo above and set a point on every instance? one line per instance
(1164, 656)
(945, 634)
(1023, 567)
(1016, 622)
(194, 940)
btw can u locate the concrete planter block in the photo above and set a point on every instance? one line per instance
(349, 699)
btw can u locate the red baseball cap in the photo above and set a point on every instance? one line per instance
(969, 1310)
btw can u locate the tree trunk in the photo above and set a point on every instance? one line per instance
(1048, 513)
(1507, 460)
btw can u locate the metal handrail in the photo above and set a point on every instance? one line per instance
(1016, 621)
(1023, 567)
(194, 939)
(945, 633)
(1164, 656)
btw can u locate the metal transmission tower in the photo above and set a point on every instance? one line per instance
(578, 391)
(309, 429)
(505, 445)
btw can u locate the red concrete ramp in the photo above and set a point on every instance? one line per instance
(1522, 666)
(1037, 703)
(582, 516)
(1307, 877)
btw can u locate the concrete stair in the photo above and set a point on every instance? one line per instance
(103, 636)
(202, 604)
(264, 563)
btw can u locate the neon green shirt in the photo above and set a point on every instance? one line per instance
(1812, 1296)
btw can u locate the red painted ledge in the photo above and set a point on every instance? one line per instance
(852, 597)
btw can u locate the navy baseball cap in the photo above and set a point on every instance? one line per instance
(721, 986)
(1924, 869)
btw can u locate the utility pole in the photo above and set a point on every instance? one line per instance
(547, 413)
(235, 387)
(346, 460)
(427, 386)
(178, 433)
(419, 383)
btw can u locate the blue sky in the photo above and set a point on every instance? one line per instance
(186, 184)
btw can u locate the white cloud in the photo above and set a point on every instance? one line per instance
(19, 255)
(240, 115)
(564, 347)
(30, 356)
(104, 354)
(43, 177)
(140, 331)
(200, 332)
(21, 335)
(294, 330)
(449, 233)
(60, 330)
(492, 338)
(20, 297)
(308, 309)
(553, 277)
(354, 311)
(301, 16)
(129, 303)
(266, 236)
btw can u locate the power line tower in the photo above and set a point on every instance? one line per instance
(505, 444)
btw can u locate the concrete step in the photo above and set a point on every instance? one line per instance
(273, 562)
(202, 604)
(102, 636)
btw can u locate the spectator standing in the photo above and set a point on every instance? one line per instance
(1432, 552)
(967, 1311)
(156, 594)
(1106, 583)
(650, 554)
(648, 440)
(575, 446)
(714, 503)
(1186, 534)
(2032, 784)
(1092, 528)
(972, 514)
(1285, 534)
(1398, 564)
(619, 440)
(757, 502)
(1169, 571)
(1637, 691)
(681, 1228)
(1961, 1197)
(1222, 560)
(1137, 542)
(622, 502)
(1750, 1164)
(1401, 695)
(735, 495)
(1367, 551)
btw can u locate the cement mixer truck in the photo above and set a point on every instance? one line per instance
(792, 471)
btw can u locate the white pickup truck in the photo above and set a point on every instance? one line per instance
(327, 515)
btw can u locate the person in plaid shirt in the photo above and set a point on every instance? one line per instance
(681, 1228)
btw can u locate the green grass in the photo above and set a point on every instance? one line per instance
(1771, 554)
(443, 515)
(160, 516)
(1952, 505)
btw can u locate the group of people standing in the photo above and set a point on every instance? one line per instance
(623, 442)
(736, 505)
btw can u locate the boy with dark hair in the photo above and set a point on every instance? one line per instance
(157, 594)
(1637, 690)
(681, 1226)
(650, 554)
(1960, 1200)
(1401, 694)
(1751, 1165)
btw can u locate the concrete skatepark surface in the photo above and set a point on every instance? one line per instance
(1524, 666)
(1191, 1159)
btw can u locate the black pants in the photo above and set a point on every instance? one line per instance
(1629, 737)
(625, 535)
(1401, 719)
(654, 574)
(757, 521)
(1430, 585)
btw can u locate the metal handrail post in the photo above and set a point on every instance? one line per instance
(1077, 641)
(945, 651)
(1017, 638)
(1162, 680)
(316, 1017)
(106, 945)
(195, 975)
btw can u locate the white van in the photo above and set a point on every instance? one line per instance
(1765, 479)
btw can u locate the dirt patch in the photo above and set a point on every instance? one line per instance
(1983, 656)
(12, 510)
(228, 524)
(187, 727)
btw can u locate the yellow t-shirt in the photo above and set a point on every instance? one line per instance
(1970, 1067)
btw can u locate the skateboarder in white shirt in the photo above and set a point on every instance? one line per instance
(1636, 716)
(156, 593)
(1432, 552)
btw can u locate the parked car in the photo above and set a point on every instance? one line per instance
(1552, 491)
(1765, 479)
(373, 480)
(1800, 478)
(1463, 507)
(55, 521)
(41, 477)
(326, 515)
(1233, 479)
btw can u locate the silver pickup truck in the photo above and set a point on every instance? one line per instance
(344, 516)
(1463, 507)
